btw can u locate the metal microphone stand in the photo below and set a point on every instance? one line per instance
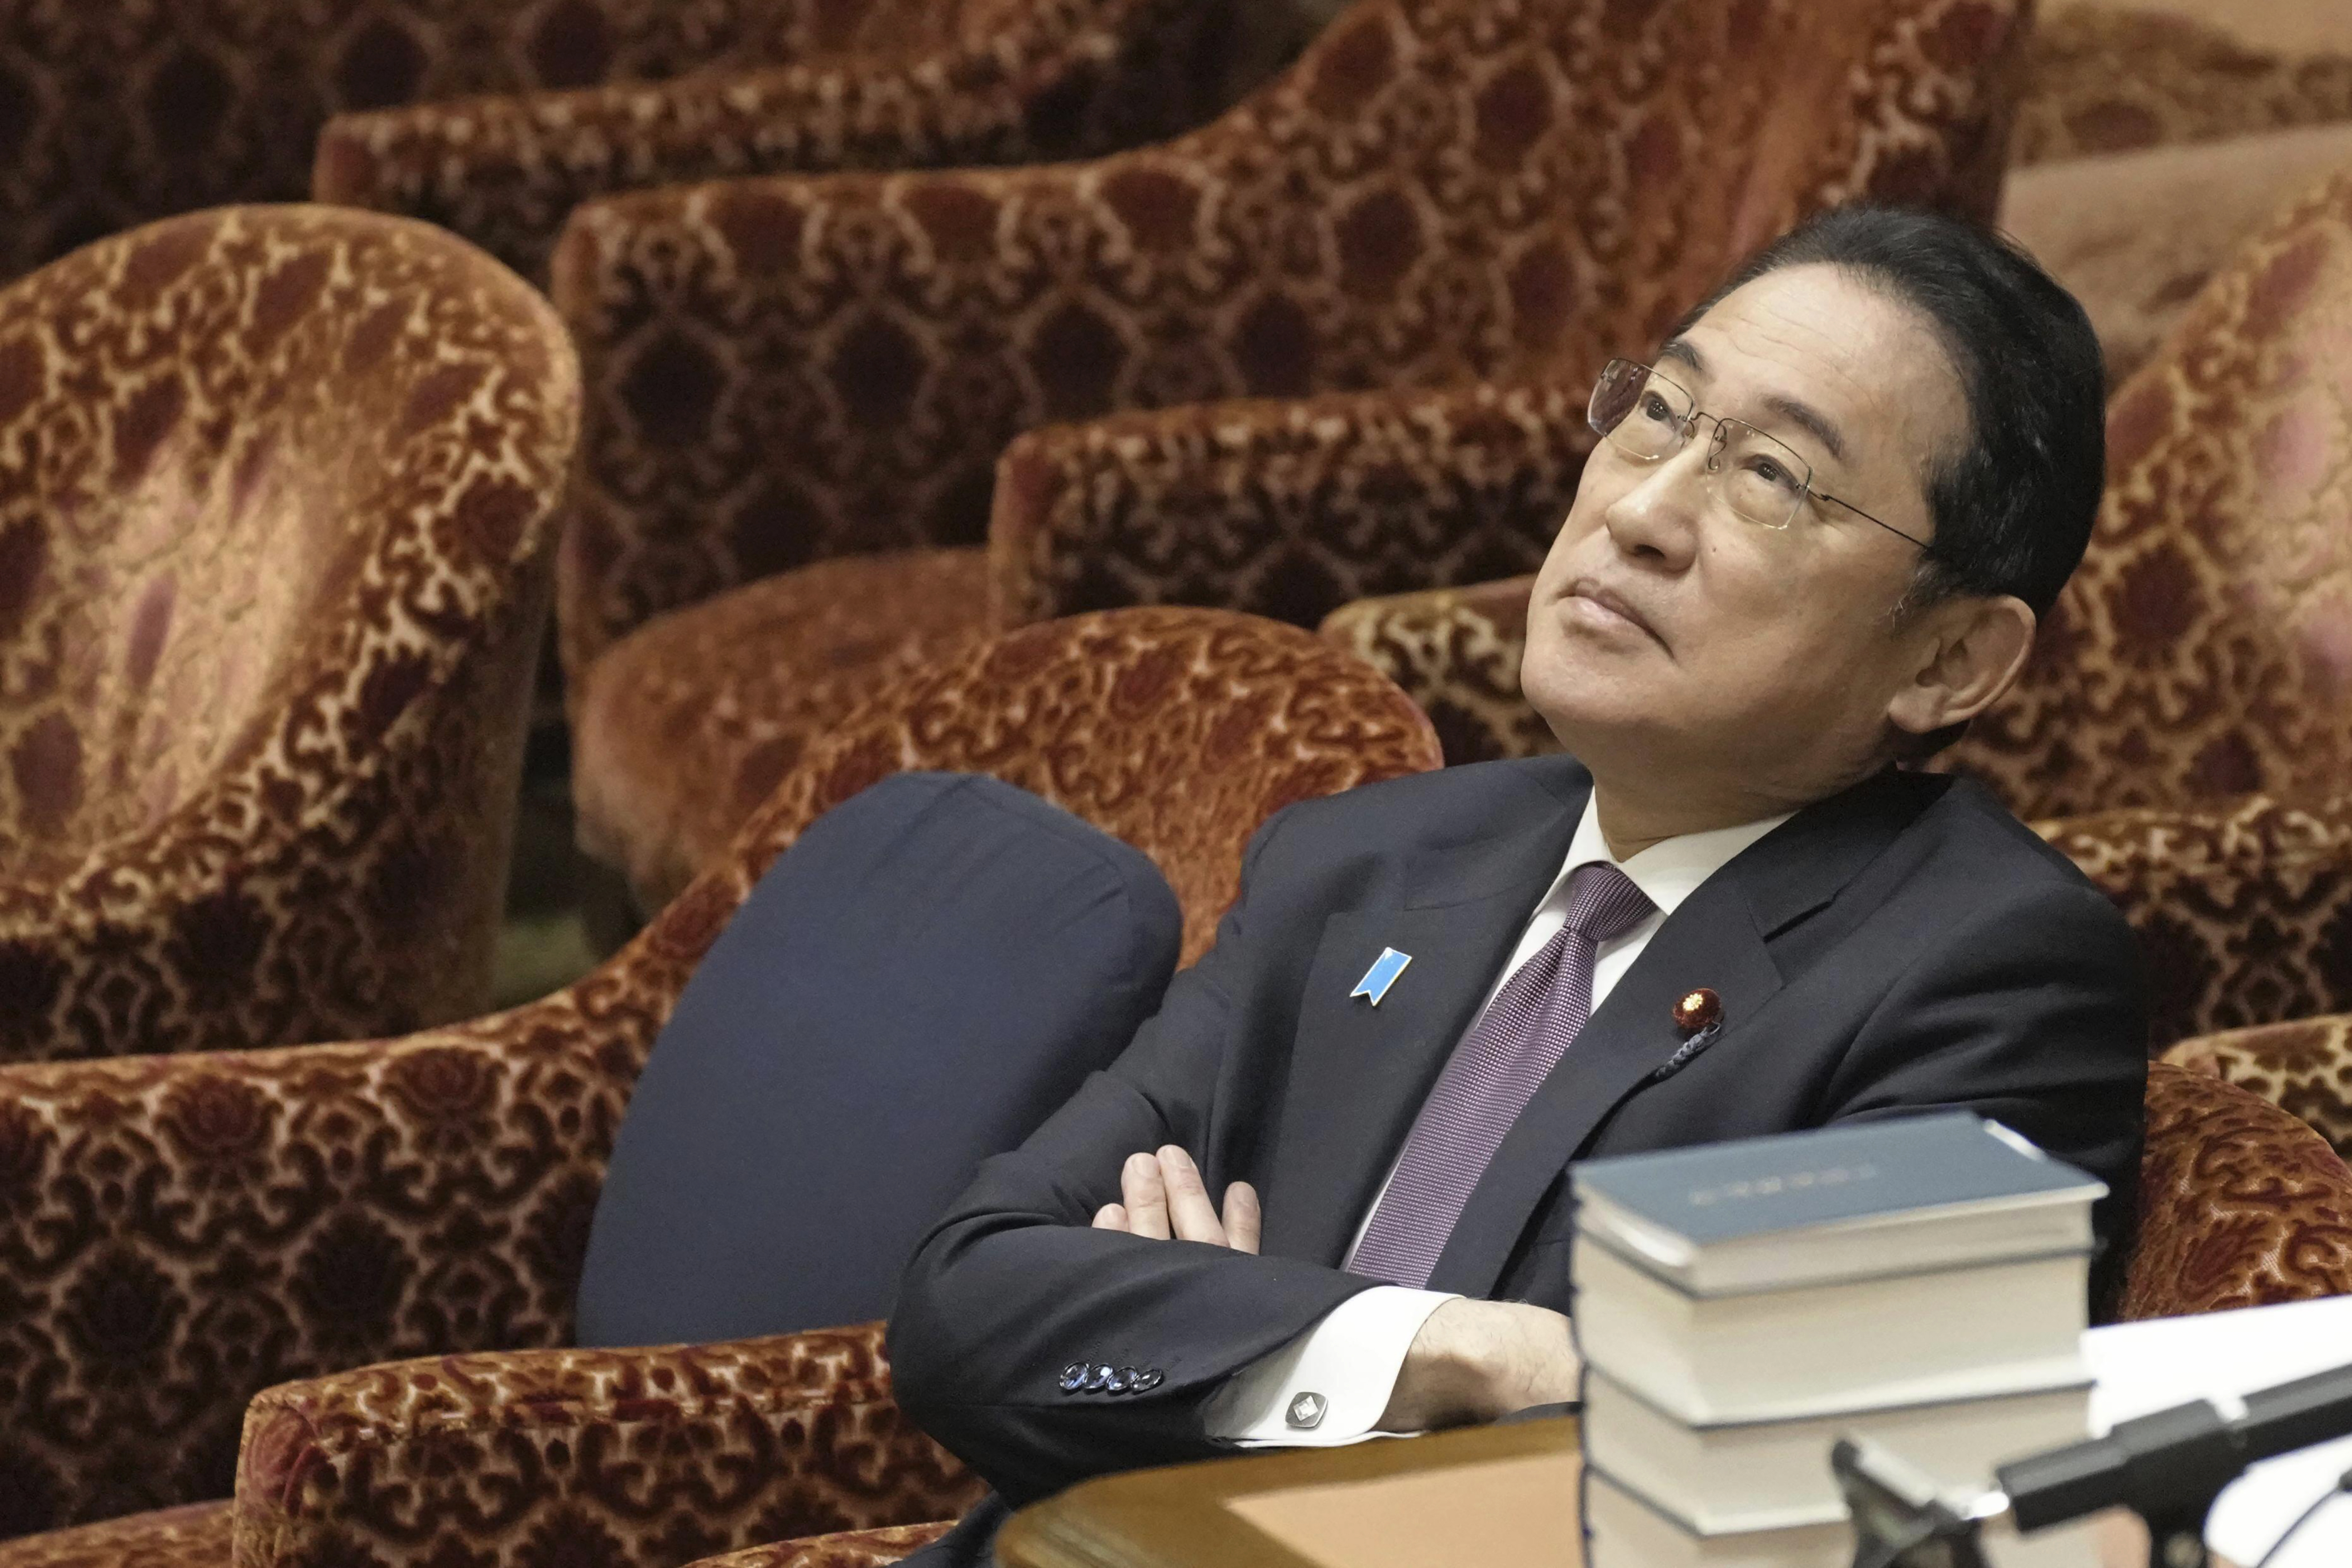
(2167, 1468)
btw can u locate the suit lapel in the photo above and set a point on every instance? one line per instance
(1719, 938)
(1359, 1072)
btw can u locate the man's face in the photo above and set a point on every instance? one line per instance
(1668, 632)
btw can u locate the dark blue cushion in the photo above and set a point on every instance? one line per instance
(915, 984)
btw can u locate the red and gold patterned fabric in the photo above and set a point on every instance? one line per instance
(2304, 1066)
(241, 805)
(2205, 646)
(1441, 191)
(178, 1233)
(2241, 1205)
(736, 692)
(194, 1535)
(808, 86)
(2135, 236)
(2108, 79)
(114, 114)
(2183, 731)
(850, 1549)
(646, 1459)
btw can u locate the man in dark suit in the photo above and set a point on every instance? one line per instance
(1811, 545)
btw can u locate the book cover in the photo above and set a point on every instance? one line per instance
(1833, 1177)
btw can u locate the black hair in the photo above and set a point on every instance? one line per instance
(2013, 506)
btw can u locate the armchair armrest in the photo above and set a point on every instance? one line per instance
(1456, 652)
(847, 1549)
(2238, 905)
(505, 170)
(2239, 1203)
(179, 1232)
(930, 90)
(654, 1457)
(1286, 509)
(2304, 1067)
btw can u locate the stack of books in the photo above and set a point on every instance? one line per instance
(1739, 1307)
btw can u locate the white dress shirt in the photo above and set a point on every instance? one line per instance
(1351, 1358)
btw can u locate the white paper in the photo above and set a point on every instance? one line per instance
(2223, 1357)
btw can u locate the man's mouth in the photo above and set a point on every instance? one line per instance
(1598, 604)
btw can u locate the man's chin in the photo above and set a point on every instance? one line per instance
(1585, 706)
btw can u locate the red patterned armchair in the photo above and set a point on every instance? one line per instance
(1440, 192)
(277, 498)
(178, 1233)
(807, 86)
(2184, 731)
(118, 114)
(646, 1459)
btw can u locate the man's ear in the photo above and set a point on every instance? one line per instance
(1971, 650)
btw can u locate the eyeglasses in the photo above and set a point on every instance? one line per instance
(1645, 416)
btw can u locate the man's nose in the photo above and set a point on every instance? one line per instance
(1657, 520)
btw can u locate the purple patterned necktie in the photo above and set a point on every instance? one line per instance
(1493, 1074)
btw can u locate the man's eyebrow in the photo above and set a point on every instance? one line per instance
(1681, 349)
(1809, 419)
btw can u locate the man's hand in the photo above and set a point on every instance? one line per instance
(1166, 1198)
(1480, 1361)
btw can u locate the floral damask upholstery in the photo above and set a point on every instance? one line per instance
(194, 1535)
(2203, 648)
(1441, 191)
(2110, 79)
(644, 1458)
(178, 1233)
(2135, 236)
(811, 86)
(112, 115)
(2304, 1066)
(2154, 144)
(1456, 652)
(2239, 1203)
(276, 491)
(740, 688)
(849, 1549)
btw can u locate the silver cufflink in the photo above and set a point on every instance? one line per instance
(1306, 1412)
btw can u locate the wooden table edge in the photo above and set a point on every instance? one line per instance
(1176, 1517)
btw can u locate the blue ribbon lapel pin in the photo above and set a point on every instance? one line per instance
(1382, 974)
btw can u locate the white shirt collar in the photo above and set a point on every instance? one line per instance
(1672, 869)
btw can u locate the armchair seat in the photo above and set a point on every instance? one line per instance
(686, 725)
(194, 1535)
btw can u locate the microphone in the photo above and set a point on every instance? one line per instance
(2167, 1468)
(2164, 1465)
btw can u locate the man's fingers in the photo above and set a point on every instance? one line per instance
(1190, 1211)
(1166, 1198)
(1139, 1182)
(1242, 1215)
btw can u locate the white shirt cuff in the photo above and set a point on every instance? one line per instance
(1327, 1388)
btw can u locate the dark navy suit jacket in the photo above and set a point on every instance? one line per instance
(1902, 947)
